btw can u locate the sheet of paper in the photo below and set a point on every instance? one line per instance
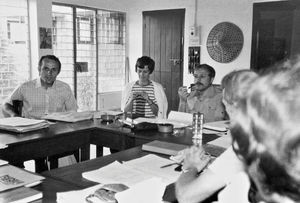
(19, 121)
(217, 125)
(181, 117)
(151, 164)
(117, 173)
(76, 195)
(224, 141)
(3, 162)
(148, 191)
(70, 116)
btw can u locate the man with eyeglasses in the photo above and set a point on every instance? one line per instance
(204, 96)
(42, 96)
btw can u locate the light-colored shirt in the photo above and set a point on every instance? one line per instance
(39, 101)
(210, 104)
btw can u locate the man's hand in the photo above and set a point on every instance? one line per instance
(183, 93)
(195, 158)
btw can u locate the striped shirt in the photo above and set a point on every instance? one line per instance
(140, 106)
(39, 101)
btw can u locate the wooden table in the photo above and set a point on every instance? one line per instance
(63, 137)
(72, 175)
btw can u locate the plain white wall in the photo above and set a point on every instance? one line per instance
(208, 13)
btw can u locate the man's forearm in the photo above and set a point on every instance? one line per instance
(182, 106)
(8, 110)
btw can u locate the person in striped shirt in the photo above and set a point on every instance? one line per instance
(144, 97)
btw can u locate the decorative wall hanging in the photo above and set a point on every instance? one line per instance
(225, 42)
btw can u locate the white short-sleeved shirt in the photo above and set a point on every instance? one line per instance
(39, 101)
(227, 165)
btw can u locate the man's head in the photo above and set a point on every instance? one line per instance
(203, 76)
(235, 86)
(49, 67)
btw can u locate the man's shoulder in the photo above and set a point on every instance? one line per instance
(29, 83)
(62, 84)
(217, 88)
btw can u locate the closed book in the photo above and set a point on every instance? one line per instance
(14, 177)
(21, 194)
(161, 147)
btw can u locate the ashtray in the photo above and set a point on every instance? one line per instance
(165, 127)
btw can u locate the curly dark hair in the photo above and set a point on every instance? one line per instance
(145, 61)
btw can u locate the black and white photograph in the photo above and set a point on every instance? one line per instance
(150, 101)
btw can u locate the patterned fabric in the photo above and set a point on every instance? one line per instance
(159, 93)
(38, 101)
(140, 105)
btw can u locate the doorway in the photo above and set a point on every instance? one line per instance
(163, 42)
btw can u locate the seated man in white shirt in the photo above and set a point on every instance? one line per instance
(205, 97)
(192, 188)
(42, 96)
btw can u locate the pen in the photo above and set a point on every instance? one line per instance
(171, 164)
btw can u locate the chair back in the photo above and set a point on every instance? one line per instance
(18, 105)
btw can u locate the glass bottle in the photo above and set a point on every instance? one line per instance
(197, 128)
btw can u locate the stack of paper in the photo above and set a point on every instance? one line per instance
(18, 124)
(70, 116)
(221, 126)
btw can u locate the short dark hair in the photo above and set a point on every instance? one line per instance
(145, 61)
(211, 70)
(50, 57)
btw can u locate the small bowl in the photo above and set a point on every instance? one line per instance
(107, 118)
(165, 127)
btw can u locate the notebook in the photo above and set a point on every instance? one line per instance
(20, 195)
(13, 177)
(161, 147)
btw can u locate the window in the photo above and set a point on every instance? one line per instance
(14, 46)
(85, 30)
(99, 53)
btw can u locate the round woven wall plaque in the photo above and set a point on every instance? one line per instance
(225, 42)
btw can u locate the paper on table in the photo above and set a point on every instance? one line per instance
(19, 124)
(224, 141)
(181, 117)
(177, 119)
(217, 125)
(117, 173)
(148, 191)
(70, 116)
(3, 162)
(19, 121)
(76, 195)
(151, 164)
